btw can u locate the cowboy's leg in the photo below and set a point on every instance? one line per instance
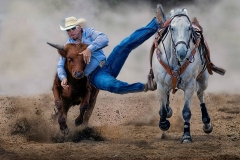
(105, 78)
(120, 53)
(104, 81)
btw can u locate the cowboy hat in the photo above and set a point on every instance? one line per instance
(71, 22)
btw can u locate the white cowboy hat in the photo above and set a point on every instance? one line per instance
(71, 22)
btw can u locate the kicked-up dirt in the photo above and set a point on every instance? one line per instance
(121, 127)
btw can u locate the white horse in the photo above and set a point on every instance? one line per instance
(180, 63)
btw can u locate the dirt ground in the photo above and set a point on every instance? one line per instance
(121, 127)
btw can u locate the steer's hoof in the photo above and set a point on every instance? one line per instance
(164, 125)
(65, 131)
(78, 121)
(207, 128)
(186, 138)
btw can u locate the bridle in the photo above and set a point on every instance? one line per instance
(180, 42)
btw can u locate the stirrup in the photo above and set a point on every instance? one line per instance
(152, 85)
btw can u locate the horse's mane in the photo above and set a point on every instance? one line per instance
(175, 12)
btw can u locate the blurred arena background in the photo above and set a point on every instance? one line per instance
(28, 64)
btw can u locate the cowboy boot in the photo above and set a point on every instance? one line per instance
(150, 85)
(160, 16)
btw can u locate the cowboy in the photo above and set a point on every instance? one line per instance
(102, 72)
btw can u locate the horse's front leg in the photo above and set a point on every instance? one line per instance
(169, 109)
(207, 126)
(165, 110)
(186, 113)
(202, 86)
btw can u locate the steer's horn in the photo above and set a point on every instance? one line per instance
(56, 46)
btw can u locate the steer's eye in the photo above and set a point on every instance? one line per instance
(70, 59)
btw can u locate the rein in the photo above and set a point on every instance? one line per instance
(175, 75)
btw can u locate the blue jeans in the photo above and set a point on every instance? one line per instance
(105, 78)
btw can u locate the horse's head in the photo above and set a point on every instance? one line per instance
(181, 30)
(74, 61)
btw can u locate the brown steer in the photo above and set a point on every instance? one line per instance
(80, 91)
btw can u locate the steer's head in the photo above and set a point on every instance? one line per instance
(74, 61)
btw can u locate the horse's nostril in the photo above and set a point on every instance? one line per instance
(182, 56)
(181, 51)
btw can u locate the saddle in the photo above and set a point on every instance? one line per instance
(198, 32)
(210, 66)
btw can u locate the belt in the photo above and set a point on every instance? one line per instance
(100, 65)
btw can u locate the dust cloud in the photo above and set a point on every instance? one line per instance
(28, 64)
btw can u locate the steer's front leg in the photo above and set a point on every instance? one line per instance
(62, 118)
(56, 93)
(83, 106)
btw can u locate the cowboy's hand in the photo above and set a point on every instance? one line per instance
(64, 84)
(86, 55)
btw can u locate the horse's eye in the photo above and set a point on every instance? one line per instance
(172, 29)
(69, 59)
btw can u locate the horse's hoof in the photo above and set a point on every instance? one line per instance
(207, 128)
(169, 114)
(186, 138)
(78, 122)
(164, 125)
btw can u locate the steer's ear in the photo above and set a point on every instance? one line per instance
(62, 52)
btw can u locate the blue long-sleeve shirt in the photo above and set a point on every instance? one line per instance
(96, 40)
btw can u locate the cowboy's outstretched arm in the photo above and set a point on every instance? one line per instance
(99, 41)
